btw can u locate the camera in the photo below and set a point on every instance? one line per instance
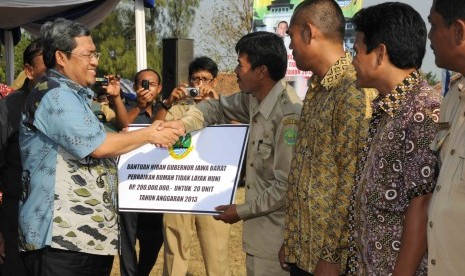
(145, 84)
(101, 81)
(192, 91)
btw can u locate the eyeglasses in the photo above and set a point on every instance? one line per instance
(197, 80)
(88, 56)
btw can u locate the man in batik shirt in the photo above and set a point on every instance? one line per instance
(331, 128)
(397, 171)
(68, 218)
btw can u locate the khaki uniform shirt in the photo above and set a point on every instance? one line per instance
(273, 132)
(179, 110)
(446, 226)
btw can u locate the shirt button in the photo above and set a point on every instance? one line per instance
(253, 142)
(452, 151)
(251, 164)
(433, 261)
(438, 188)
(248, 187)
(431, 224)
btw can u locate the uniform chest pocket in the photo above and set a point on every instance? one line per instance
(265, 160)
(264, 150)
(459, 180)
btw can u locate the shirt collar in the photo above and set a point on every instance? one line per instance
(267, 104)
(332, 77)
(392, 101)
(84, 92)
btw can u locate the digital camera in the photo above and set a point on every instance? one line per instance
(101, 81)
(192, 91)
(145, 84)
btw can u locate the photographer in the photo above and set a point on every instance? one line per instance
(202, 81)
(146, 227)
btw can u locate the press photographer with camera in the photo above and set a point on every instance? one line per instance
(202, 81)
(145, 227)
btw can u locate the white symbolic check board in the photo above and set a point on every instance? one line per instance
(194, 176)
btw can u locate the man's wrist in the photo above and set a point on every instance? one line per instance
(163, 104)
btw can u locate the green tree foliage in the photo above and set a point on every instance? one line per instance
(229, 22)
(19, 49)
(115, 37)
(431, 78)
(181, 16)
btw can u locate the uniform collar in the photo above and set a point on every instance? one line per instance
(268, 103)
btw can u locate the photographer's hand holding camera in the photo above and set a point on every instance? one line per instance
(113, 89)
(147, 86)
(186, 95)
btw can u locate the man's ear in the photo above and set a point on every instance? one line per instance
(28, 70)
(60, 58)
(307, 33)
(459, 26)
(214, 82)
(381, 53)
(262, 71)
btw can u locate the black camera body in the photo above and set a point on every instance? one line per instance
(192, 91)
(101, 81)
(145, 84)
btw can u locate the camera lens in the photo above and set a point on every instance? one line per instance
(193, 92)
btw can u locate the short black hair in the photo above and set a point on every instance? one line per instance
(136, 77)
(34, 49)
(265, 48)
(450, 10)
(399, 27)
(325, 14)
(60, 35)
(203, 63)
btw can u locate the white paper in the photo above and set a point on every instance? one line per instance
(193, 180)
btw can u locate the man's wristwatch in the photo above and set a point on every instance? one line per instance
(163, 105)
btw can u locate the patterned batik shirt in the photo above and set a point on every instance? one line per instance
(5, 90)
(397, 166)
(331, 131)
(69, 198)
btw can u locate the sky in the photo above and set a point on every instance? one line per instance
(422, 6)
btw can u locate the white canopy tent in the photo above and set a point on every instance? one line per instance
(30, 14)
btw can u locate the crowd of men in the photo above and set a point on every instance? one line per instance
(345, 182)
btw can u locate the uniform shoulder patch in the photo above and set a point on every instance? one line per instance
(290, 136)
(290, 122)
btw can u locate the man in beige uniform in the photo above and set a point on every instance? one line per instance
(272, 108)
(446, 221)
(178, 229)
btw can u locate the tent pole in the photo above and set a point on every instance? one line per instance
(141, 49)
(9, 57)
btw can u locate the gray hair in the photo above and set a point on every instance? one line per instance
(59, 36)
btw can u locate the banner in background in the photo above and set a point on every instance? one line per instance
(274, 16)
